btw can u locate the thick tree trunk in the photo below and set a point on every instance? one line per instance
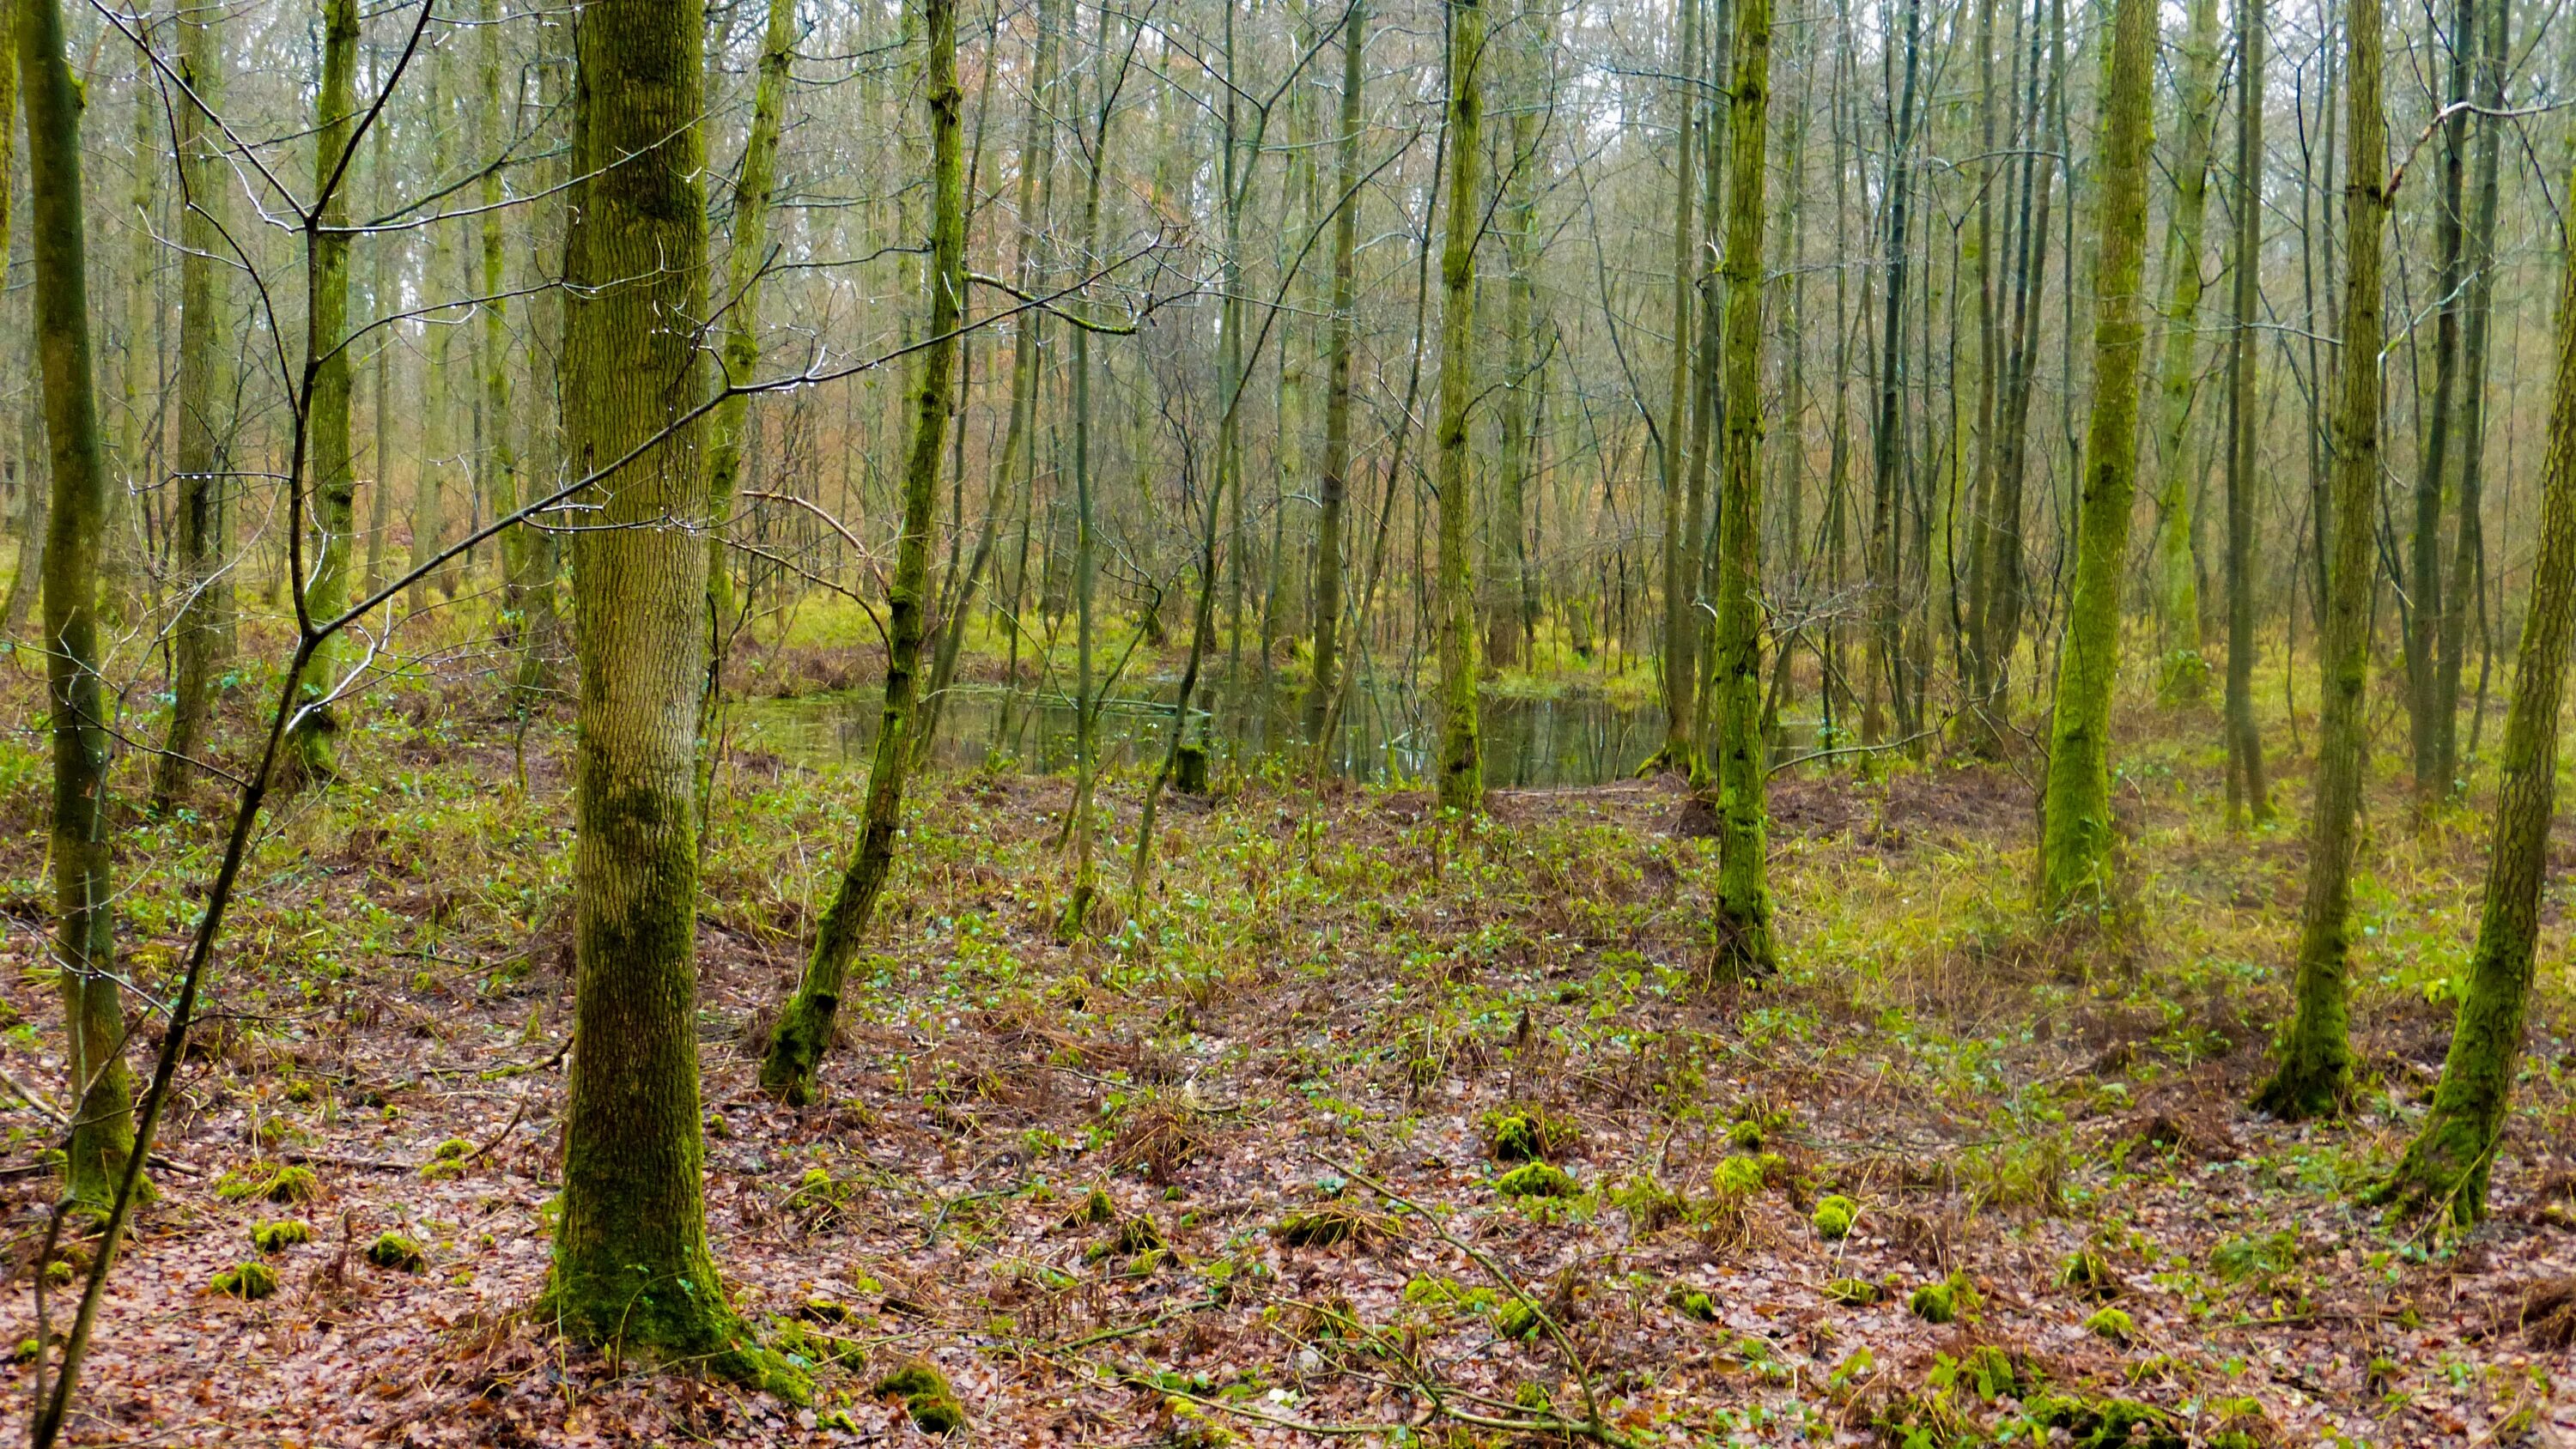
(2247, 792)
(631, 1264)
(102, 1134)
(1745, 946)
(2315, 1067)
(1461, 760)
(2075, 815)
(205, 409)
(805, 1028)
(334, 482)
(2447, 1166)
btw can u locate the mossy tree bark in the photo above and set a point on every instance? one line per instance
(2248, 796)
(1333, 484)
(102, 1134)
(2315, 1065)
(2468, 539)
(804, 1029)
(746, 262)
(1745, 946)
(1461, 763)
(2445, 1169)
(631, 1265)
(1680, 655)
(2185, 672)
(500, 456)
(2075, 842)
(1509, 599)
(198, 638)
(2426, 599)
(327, 447)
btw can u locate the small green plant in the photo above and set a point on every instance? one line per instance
(926, 1396)
(2255, 1257)
(1535, 1179)
(2089, 1274)
(1519, 1319)
(397, 1252)
(1692, 1303)
(1737, 1179)
(277, 1237)
(1325, 1224)
(1094, 1209)
(1834, 1217)
(1853, 1292)
(1515, 1139)
(245, 1281)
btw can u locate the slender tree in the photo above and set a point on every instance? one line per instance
(2075, 814)
(805, 1027)
(2184, 671)
(1679, 658)
(1461, 760)
(2425, 599)
(326, 354)
(2315, 1065)
(1744, 938)
(631, 1263)
(84, 945)
(2447, 1166)
(2247, 794)
(1333, 483)
(2468, 558)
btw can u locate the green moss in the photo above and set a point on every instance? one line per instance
(1095, 1208)
(2106, 1423)
(1853, 1292)
(2111, 1323)
(1518, 1319)
(1535, 1179)
(1834, 1217)
(1944, 1301)
(1515, 1139)
(926, 1396)
(277, 1237)
(2089, 1274)
(394, 1251)
(246, 1280)
(453, 1147)
(1692, 1303)
(270, 1182)
(1323, 1225)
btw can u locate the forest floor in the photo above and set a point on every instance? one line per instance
(1232, 1171)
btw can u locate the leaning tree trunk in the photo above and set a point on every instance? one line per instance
(1461, 762)
(1744, 941)
(804, 1029)
(631, 1264)
(102, 1133)
(2185, 672)
(2075, 813)
(2447, 1166)
(205, 393)
(2247, 794)
(326, 353)
(2315, 1065)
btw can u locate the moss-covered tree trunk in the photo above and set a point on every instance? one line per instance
(500, 452)
(2315, 1066)
(381, 302)
(334, 481)
(2185, 672)
(2075, 814)
(804, 1029)
(2248, 796)
(1745, 946)
(198, 637)
(2468, 538)
(2427, 597)
(1680, 655)
(1461, 765)
(631, 1265)
(746, 262)
(2447, 1166)
(1333, 484)
(102, 1134)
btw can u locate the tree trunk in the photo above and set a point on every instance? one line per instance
(1681, 627)
(326, 247)
(1333, 486)
(205, 410)
(805, 1028)
(2184, 672)
(1744, 939)
(1506, 527)
(2469, 537)
(1461, 761)
(2447, 1166)
(2075, 814)
(2315, 1066)
(1886, 646)
(631, 1264)
(2247, 793)
(102, 1133)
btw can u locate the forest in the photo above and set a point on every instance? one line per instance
(1409, 722)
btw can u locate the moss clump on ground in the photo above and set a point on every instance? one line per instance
(2111, 1323)
(394, 1251)
(1094, 1209)
(268, 1182)
(2089, 1274)
(1515, 1139)
(1944, 1301)
(245, 1280)
(926, 1396)
(1325, 1224)
(277, 1237)
(1692, 1303)
(1834, 1217)
(1854, 1292)
(1535, 1179)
